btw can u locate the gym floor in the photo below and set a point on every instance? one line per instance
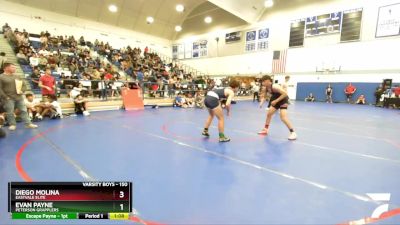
(342, 153)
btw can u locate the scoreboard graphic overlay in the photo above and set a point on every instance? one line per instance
(70, 200)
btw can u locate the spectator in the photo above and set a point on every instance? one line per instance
(117, 87)
(285, 84)
(378, 95)
(310, 98)
(54, 107)
(42, 62)
(6, 27)
(3, 59)
(11, 90)
(76, 91)
(180, 101)
(21, 55)
(243, 88)
(190, 101)
(81, 105)
(2, 133)
(328, 93)
(160, 84)
(361, 100)
(256, 91)
(47, 83)
(34, 60)
(34, 107)
(349, 91)
(199, 100)
(2, 114)
(396, 91)
(35, 76)
(102, 88)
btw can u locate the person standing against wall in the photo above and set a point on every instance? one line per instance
(11, 91)
(285, 84)
(378, 94)
(396, 91)
(349, 91)
(328, 93)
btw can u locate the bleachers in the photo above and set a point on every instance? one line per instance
(62, 50)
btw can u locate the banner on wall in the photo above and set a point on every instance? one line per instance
(233, 37)
(174, 52)
(263, 35)
(178, 51)
(251, 37)
(257, 40)
(200, 49)
(388, 21)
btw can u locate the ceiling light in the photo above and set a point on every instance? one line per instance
(268, 3)
(179, 8)
(150, 20)
(208, 19)
(178, 28)
(113, 8)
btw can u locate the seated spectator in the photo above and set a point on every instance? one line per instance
(3, 59)
(34, 60)
(190, 101)
(42, 62)
(81, 105)
(43, 51)
(361, 100)
(34, 107)
(52, 107)
(349, 91)
(52, 61)
(180, 101)
(199, 100)
(310, 98)
(21, 55)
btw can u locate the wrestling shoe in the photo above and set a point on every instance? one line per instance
(205, 133)
(264, 131)
(224, 139)
(292, 136)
